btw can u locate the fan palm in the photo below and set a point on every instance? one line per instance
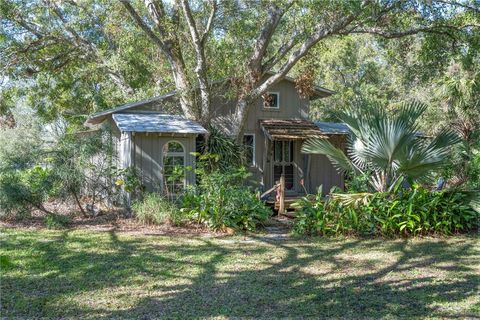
(386, 145)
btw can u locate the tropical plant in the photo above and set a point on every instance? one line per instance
(404, 212)
(223, 199)
(388, 145)
(220, 152)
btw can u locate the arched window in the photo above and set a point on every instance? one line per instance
(173, 167)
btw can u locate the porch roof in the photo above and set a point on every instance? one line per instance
(276, 129)
(156, 122)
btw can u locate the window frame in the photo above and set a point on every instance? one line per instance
(278, 101)
(173, 154)
(253, 148)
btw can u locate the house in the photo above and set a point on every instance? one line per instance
(153, 139)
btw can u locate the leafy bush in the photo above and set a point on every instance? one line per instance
(72, 166)
(222, 200)
(23, 184)
(408, 212)
(22, 190)
(55, 221)
(220, 152)
(85, 166)
(154, 209)
(357, 183)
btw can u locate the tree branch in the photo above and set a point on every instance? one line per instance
(444, 30)
(208, 27)
(319, 34)
(281, 53)
(274, 16)
(138, 20)
(92, 48)
(201, 65)
(462, 5)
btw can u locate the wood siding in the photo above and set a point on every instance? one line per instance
(147, 148)
(322, 173)
(148, 157)
(318, 171)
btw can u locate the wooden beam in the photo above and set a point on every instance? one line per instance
(264, 161)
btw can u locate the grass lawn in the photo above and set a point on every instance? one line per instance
(61, 274)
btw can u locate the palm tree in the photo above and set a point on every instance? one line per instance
(387, 146)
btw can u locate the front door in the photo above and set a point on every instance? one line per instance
(283, 162)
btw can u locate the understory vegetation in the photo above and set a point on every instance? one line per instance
(415, 211)
(391, 190)
(155, 209)
(76, 167)
(223, 198)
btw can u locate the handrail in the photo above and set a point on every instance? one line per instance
(269, 190)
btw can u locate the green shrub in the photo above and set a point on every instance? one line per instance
(25, 189)
(72, 167)
(408, 212)
(55, 221)
(357, 183)
(155, 209)
(223, 200)
(220, 152)
(23, 184)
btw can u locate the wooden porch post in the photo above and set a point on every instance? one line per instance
(264, 163)
(281, 209)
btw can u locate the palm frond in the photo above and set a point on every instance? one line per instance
(334, 154)
(352, 199)
(444, 140)
(409, 112)
(386, 140)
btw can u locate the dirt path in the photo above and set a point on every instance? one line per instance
(278, 228)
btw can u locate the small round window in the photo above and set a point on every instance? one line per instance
(173, 167)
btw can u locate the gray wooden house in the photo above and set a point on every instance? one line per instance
(152, 138)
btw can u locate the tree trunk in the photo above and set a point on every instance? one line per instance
(77, 200)
(183, 88)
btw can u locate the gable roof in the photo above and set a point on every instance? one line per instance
(156, 122)
(100, 116)
(96, 118)
(318, 91)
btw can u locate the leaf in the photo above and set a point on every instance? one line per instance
(334, 154)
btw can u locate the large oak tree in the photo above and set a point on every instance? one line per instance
(192, 44)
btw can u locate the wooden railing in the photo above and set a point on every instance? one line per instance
(280, 194)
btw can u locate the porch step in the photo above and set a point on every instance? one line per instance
(275, 205)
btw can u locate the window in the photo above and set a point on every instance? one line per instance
(174, 167)
(249, 143)
(271, 100)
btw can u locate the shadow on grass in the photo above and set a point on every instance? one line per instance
(213, 279)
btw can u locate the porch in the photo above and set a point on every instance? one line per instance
(287, 173)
